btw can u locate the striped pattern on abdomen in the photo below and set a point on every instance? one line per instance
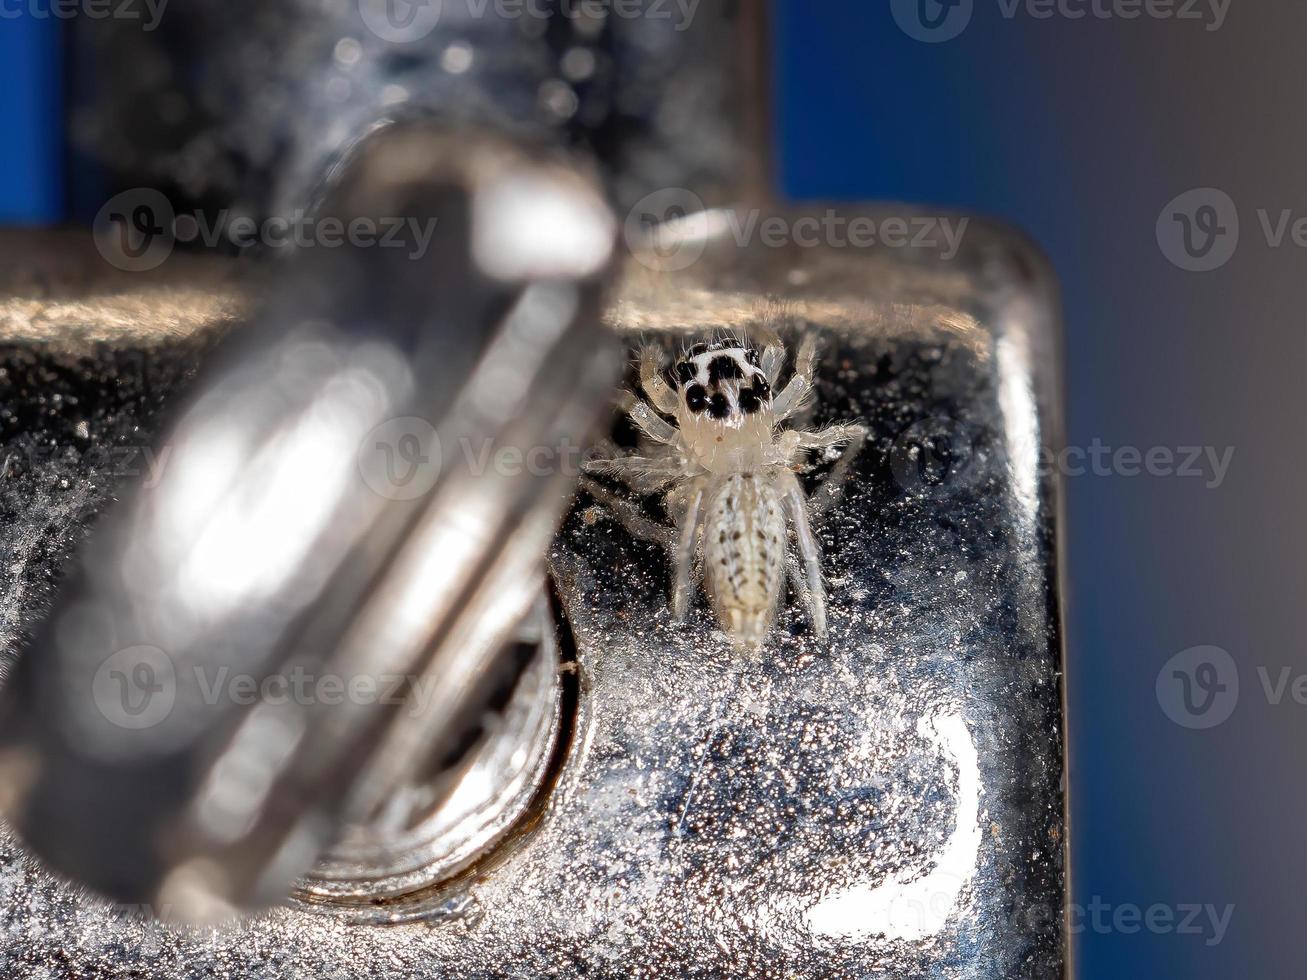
(744, 554)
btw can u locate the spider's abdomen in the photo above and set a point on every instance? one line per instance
(744, 556)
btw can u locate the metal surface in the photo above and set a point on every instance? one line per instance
(887, 804)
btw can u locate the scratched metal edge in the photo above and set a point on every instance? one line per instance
(101, 941)
(1049, 370)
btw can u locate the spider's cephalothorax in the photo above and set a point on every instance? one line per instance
(727, 471)
(725, 410)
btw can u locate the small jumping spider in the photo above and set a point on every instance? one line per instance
(728, 471)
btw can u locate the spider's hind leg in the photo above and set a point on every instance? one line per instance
(630, 515)
(814, 588)
(828, 493)
(687, 549)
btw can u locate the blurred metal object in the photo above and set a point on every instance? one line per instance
(243, 103)
(329, 533)
(326, 510)
(429, 831)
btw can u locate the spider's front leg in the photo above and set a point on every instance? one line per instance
(646, 416)
(647, 420)
(773, 356)
(791, 397)
(651, 380)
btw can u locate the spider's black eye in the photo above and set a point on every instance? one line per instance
(761, 387)
(721, 368)
(751, 355)
(696, 399)
(684, 373)
(749, 401)
(719, 407)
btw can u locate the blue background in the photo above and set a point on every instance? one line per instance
(31, 122)
(1079, 132)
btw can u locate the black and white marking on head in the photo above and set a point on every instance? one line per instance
(723, 379)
